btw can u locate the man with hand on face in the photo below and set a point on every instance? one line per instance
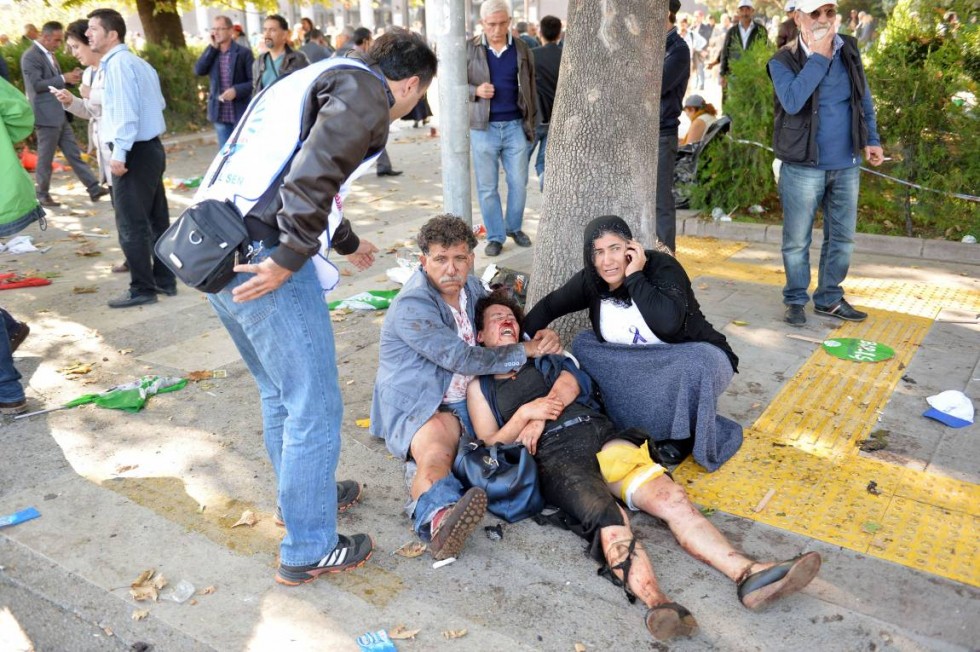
(230, 68)
(426, 358)
(279, 59)
(824, 118)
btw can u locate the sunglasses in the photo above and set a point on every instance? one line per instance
(829, 13)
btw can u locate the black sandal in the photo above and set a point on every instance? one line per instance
(760, 589)
(670, 620)
(625, 566)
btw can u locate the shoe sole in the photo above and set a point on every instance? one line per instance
(14, 411)
(472, 514)
(665, 624)
(798, 576)
(835, 315)
(340, 508)
(313, 574)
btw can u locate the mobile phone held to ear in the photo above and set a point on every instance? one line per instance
(629, 258)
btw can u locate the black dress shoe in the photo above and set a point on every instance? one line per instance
(389, 173)
(129, 299)
(842, 310)
(493, 248)
(98, 193)
(170, 292)
(18, 336)
(48, 202)
(520, 238)
(795, 316)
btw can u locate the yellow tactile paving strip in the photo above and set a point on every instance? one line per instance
(803, 445)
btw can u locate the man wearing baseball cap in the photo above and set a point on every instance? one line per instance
(739, 38)
(824, 118)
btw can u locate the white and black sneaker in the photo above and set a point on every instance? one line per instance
(351, 552)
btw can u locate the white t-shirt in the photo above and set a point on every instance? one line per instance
(620, 324)
(457, 386)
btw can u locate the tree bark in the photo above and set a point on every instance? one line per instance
(161, 22)
(602, 145)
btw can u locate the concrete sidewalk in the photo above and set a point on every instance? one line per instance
(120, 493)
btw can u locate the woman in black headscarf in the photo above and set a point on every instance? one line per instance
(659, 364)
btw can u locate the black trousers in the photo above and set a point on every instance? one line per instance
(142, 216)
(666, 214)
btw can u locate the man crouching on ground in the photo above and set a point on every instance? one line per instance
(427, 356)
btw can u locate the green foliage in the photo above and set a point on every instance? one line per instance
(733, 174)
(185, 93)
(919, 77)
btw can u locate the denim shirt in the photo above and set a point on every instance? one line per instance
(418, 354)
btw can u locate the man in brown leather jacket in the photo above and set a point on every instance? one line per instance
(278, 59)
(274, 307)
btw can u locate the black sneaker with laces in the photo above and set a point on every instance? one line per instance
(795, 315)
(842, 310)
(351, 552)
(348, 493)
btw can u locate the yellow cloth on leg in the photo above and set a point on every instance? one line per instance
(630, 465)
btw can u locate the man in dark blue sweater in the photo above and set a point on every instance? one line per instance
(824, 118)
(503, 114)
(676, 73)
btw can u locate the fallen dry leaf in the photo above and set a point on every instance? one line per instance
(125, 351)
(363, 423)
(208, 590)
(87, 250)
(192, 602)
(248, 518)
(141, 593)
(454, 633)
(579, 647)
(107, 630)
(84, 289)
(411, 549)
(401, 633)
(739, 322)
(158, 582)
(76, 369)
(143, 578)
(198, 376)
(122, 468)
(140, 614)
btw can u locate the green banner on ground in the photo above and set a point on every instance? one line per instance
(858, 350)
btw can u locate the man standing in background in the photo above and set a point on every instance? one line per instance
(230, 68)
(547, 61)
(41, 72)
(132, 121)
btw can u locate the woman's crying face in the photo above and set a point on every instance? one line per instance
(609, 258)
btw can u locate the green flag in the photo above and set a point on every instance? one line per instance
(131, 397)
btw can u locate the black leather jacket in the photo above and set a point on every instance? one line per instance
(346, 120)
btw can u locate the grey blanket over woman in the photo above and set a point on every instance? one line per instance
(681, 384)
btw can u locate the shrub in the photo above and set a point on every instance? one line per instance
(731, 174)
(185, 93)
(918, 78)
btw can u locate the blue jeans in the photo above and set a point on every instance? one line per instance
(802, 190)
(541, 142)
(446, 491)
(286, 340)
(11, 390)
(223, 129)
(501, 142)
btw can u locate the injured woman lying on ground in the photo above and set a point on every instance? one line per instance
(585, 465)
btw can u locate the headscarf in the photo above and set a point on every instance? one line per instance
(594, 230)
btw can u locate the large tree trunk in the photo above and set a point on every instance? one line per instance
(161, 22)
(602, 145)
